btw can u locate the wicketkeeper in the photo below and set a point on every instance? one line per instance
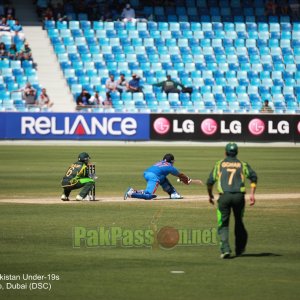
(77, 177)
(157, 175)
(229, 174)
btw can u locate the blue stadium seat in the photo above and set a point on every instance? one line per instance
(162, 49)
(98, 25)
(152, 25)
(152, 55)
(76, 32)
(196, 50)
(276, 90)
(85, 24)
(100, 34)
(169, 42)
(68, 41)
(56, 40)
(176, 58)
(49, 24)
(59, 49)
(54, 33)
(279, 107)
(267, 66)
(83, 49)
(102, 40)
(196, 96)
(161, 97)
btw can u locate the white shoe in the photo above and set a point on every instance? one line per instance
(79, 198)
(87, 198)
(128, 193)
(225, 255)
(176, 196)
(64, 197)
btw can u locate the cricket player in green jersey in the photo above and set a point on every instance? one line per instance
(229, 174)
(77, 177)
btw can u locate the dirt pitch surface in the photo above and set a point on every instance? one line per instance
(108, 199)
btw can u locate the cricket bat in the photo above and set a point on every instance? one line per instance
(192, 181)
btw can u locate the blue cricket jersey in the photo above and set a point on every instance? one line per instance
(162, 169)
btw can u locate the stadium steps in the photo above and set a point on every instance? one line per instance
(49, 73)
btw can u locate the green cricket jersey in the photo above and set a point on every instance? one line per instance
(74, 173)
(230, 174)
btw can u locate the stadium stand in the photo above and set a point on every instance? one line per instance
(17, 67)
(227, 62)
(234, 54)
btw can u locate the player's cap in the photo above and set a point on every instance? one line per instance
(169, 158)
(231, 149)
(84, 157)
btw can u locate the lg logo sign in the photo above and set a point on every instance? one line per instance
(209, 126)
(162, 126)
(187, 126)
(257, 127)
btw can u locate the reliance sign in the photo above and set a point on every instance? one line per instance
(47, 125)
(74, 126)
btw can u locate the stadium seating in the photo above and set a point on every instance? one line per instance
(232, 55)
(14, 74)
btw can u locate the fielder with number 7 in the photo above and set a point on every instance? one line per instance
(76, 177)
(229, 174)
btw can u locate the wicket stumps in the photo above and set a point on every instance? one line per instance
(92, 174)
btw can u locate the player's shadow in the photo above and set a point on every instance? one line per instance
(263, 254)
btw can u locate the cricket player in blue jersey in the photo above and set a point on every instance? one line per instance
(157, 175)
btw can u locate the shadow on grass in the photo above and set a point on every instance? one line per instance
(258, 255)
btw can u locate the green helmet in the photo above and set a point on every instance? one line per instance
(231, 149)
(84, 157)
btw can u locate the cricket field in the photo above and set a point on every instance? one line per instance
(160, 249)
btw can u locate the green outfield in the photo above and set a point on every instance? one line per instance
(62, 242)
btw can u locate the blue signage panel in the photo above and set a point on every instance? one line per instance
(74, 126)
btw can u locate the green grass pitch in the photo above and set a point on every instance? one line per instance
(39, 238)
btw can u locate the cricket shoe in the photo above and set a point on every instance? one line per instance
(175, 196)
(225, 255)
(239, 252)
(87, 198)
(64, 197)
(79, 198)
(128, 193)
